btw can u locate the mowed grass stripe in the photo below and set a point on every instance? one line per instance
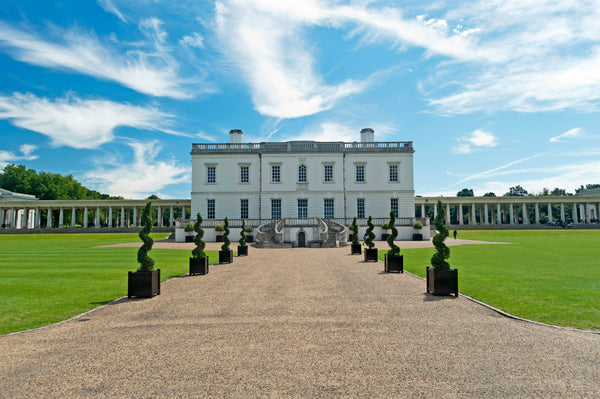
(47, 278)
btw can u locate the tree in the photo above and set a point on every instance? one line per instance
(146, 262)
(199, 250)
(559, 191)
(490, 194)
(587, 187)
(465, 192)
(438, 260)
(370, 234)
(394, 249)
(516, 191)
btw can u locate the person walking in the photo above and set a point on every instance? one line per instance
(455, 234)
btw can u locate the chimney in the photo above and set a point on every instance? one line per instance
(235, 136)
(367, 135)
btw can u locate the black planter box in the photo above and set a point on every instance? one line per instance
(199, 265)
(242, 251)
(189, 238)
(371, 255)
(143, 284)
(355, 249)
(226, 256)
(417, 237)
(249, 238)
(220, 238)
(394, 263)
(442, 282)
(384, 236)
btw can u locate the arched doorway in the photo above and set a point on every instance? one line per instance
(301, 239)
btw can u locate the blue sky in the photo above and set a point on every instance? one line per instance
(493, 93)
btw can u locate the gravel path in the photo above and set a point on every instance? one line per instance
(298, 323)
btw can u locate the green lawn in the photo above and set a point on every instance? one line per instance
(552, 276)
(50, 277)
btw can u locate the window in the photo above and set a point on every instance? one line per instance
(394, 206)
(302, 208)
(328, 209)
(244, 209)
(244, 174)
(275, 174)
(275, 209)
(302, 174)
(360, 207)
(394, 173)
(210, 208)
(360, 173)
(328, 173)
(211, 174)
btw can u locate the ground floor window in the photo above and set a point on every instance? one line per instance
(360, 207)
(244, 209)
(210, 209)
(394, 205)
(302, 208)
(328, 208)
(275, 209)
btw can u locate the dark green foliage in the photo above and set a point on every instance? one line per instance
(198, 252)
(226, 242)
(188, 227)
(354, 228)
(438, 260)
(394, 249)
(385, 226)
(465, 192)
(219, 228)
(370, 234)
(242, 239)
(516, 191)
(248, 229)
(418, 226)
(146, 262)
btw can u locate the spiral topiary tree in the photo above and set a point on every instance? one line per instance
(146, 262)
(242, 239)
(354, 227)
(370, 234)
(226, 242)
(394, 249)
(438, 260)
(198, 252)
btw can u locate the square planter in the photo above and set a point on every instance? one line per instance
(220, 238)
(199, 265)
(355, 249)
(442, 282)
(394, 263)
(189, 238)
(249, 238)
(226, 256)
(384, 236)
(143, 284)
(371, 255)
(417, 237)
(242, 251)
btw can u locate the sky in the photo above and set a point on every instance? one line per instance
(492, 93)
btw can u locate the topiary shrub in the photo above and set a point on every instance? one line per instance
(219, 228)
(146, 262)
(354, 227)
(248, 229)
(394, 249)
(385, 226)
(226, 242)
(418, 226)
(438, 260)
(242, 239)
(370, 234)
(198, 252)
(188, 227)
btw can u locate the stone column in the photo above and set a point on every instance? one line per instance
(512, 214)
(171, 217)
(434, 211)
(134, 216)
(474, 213)
(109, 223)
(84, 218)
(159, 222)
(448, 214)
(36, 224)
(550, 212)
(525, 211)
(61, 217)
(537, 213)
(1, 218)
(49, 219)
(97, 222)
(485, 214)
(25, 218)
(562, 211)
(122, 216)
(460, 214)
(73, 216)
(498, 214)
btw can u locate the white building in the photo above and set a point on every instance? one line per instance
(299, 180)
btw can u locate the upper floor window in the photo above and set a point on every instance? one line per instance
(360, 173)
(275, 174)
(328, 173)
(244, 174)
(302, 174)
(394, 173)
(211, 174)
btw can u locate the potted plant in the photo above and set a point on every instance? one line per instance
(225, 254)
(145, 282)
(199, 259)
(385, 227)
(249, 237)
(370, 252)
(417, 236)
(355, 248)
(189, 229)
(219, 229)
(441, 280)
(394, 262)
(243, 248)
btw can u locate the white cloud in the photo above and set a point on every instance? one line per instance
(26, 150)
(82, 52)
(569, 134)
(75, 122)
(193, 40)
(478, 138)
(108, 6)
(144, 176)
(329, 131)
